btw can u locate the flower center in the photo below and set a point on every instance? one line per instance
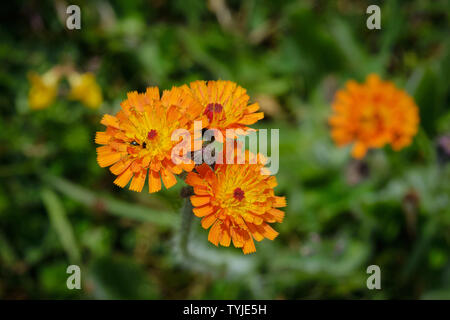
(238, 194)
(151, 134)
(212, 108)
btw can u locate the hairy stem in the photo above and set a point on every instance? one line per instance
(194, 261)
(185, 229)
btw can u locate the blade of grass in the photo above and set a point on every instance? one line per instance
(7, 254)
(115, 207)
(61, 224)
(193, 45)
(356, 56)
(420, 249)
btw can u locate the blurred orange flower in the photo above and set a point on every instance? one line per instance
(373, 114)
(137, 139)
(237, 202)
(224, 104)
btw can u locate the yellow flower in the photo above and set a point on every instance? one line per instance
(138, 140)
(372, 115)
(43, 89)
(237, 202)
(84, 88)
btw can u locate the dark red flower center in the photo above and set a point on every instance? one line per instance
(211, 109)
(238, 194)
(151, 134)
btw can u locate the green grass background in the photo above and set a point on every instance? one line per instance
(58, 207)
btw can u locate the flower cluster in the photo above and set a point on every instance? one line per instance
(373, 114)
(44, 88)
(236, 201)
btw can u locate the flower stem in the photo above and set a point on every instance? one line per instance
(189, 259)
(185, 229)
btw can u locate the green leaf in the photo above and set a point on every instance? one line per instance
(119, 278)
(61, 224)
(428, 97)
(115, 207)
(7, 255)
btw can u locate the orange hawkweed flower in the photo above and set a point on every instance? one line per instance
(372, 115)
(224, 104)
(137, 139)
(237, 202)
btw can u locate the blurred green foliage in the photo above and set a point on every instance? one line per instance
(57, 207)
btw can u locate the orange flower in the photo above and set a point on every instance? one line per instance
(372, 115)
(224, 104)
(237, 202)
(138, 139)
